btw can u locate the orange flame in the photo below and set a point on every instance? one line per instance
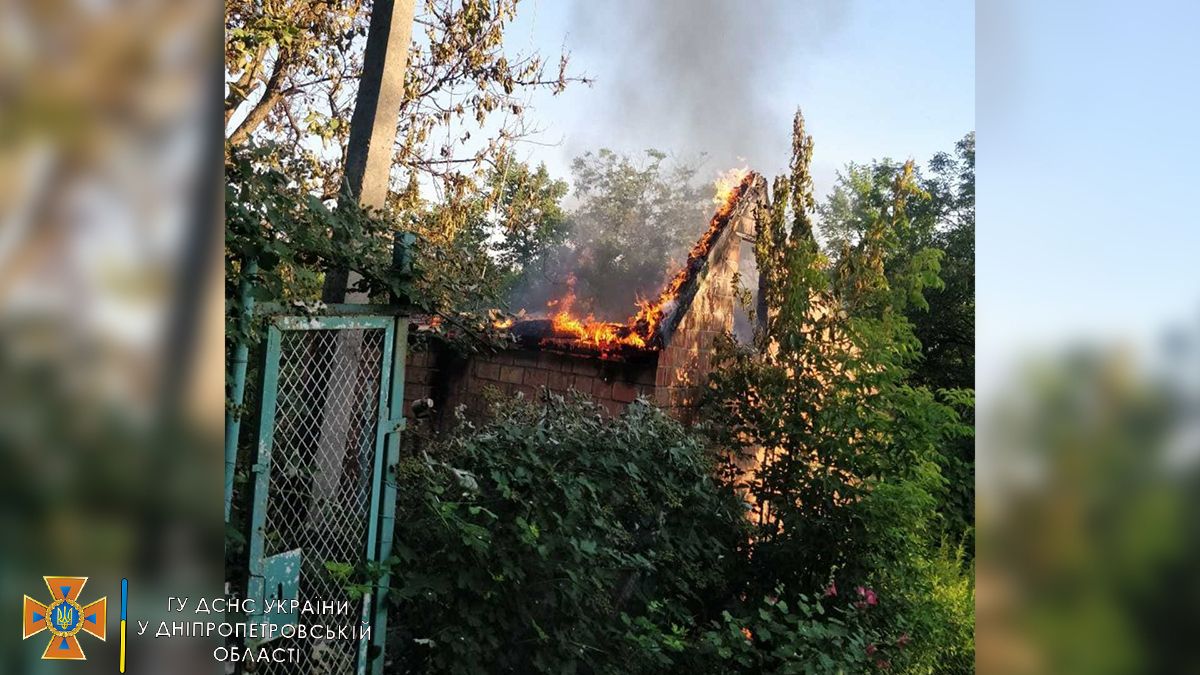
(725, 184)
(728, 189)
(637, 330)
(603, 335)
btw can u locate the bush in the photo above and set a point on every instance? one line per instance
(554, 540)
(808, 636)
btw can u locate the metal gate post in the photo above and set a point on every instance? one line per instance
(387, 517)
(261, 469)
(377, 481)
(241, 355)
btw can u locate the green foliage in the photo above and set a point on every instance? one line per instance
(940, 214)
(479, 240)
(807, 636)
(1098, 533)
(935, 234)
(468, 251)
(632, 228)
(291, 73)
(270, 219)
(849, 490)
(529, 218)
(292, 68)
(554, 540)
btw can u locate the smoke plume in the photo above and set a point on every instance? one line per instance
(692, 76)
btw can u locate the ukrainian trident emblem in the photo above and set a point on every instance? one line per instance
(64, 617)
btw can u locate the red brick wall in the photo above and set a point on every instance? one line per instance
(451, 380)
(420, 375)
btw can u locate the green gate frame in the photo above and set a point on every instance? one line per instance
(283, 570)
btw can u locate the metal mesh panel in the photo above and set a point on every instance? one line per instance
(322, 465)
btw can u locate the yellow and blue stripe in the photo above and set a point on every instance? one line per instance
(124, 607)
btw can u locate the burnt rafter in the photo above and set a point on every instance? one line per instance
(652, 327)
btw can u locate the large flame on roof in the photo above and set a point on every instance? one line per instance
(728, 188)
(637, 331)
(600, 334)
(725, 185)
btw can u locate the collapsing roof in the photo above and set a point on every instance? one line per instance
(662, 354)
(651, 328)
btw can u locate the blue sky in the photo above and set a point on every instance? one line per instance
(1087, 144)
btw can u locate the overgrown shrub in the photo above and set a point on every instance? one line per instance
(554, 540)
(809, 636)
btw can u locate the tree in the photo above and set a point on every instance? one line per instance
(1092, 513)
(941, 217)
(529, 218)
(842, 447)
(947, 329)
(473, 248)
(291, 69)
(631, 229)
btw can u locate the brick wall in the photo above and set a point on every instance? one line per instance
(451, 380)
(686, 360)
(420, 375)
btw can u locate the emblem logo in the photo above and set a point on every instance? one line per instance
(65, 618)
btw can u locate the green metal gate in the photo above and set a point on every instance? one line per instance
(328, 441)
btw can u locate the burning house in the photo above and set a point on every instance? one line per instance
(662, 352)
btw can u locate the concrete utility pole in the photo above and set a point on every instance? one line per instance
(368, 165)
(376, 114)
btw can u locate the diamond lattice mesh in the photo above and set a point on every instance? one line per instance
(322, 461)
